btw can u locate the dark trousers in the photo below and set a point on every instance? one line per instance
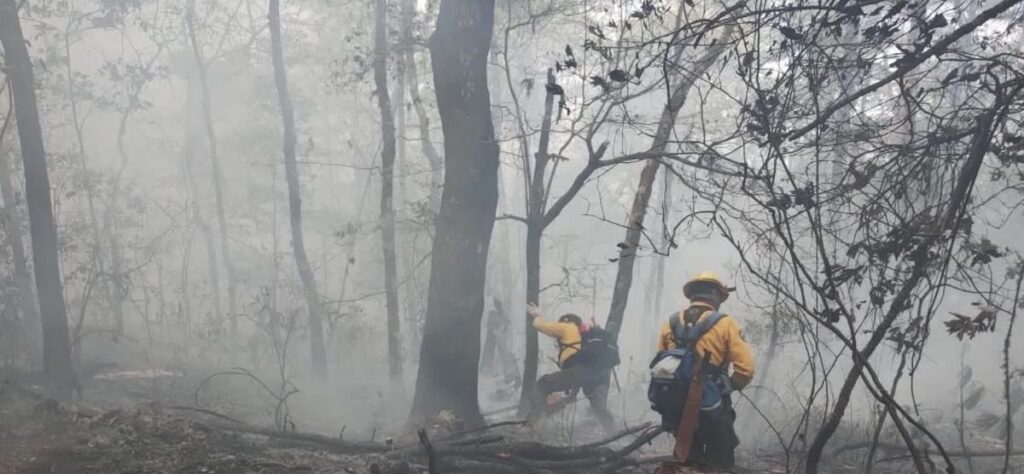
(594, 385)
(715, 441)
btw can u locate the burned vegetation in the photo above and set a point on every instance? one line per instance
(540, 236)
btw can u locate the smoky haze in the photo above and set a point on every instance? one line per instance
(853, 173)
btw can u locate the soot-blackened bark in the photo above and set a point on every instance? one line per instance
(291, 170)
(57, 367)
(447, 377)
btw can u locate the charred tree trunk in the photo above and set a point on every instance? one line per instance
(387, 186)
(57, 368)
(217, 174)
(291, 169)
(447, 377)
(635, 221)
(15, 240)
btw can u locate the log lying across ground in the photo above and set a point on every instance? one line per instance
(493, 453)
(480, 449)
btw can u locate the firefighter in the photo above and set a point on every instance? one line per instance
(580, 366)
(714, 440)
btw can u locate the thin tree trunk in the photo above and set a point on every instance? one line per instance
(535, 225)
(57, 368)
(217, 174)
(291, 169)
(657, 289)
(204, 227)
(436, 162)
(448, 375)
(635, 222)
(387, 186)
(15, 240)
(98, 257)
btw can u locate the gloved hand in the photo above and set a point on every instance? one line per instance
(738, 381)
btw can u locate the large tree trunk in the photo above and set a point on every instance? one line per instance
(291, 171)
(447, 377)
(387, 186)
(57, 368)
(15, 240)
(635, 222)
(217, 174)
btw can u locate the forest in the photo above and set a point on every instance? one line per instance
(389, 236)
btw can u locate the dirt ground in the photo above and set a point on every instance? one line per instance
(142, 433)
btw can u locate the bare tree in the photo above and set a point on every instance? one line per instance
(447, 376)
(659, 143)
(387, 186)
(316, 334)
(217, 173)
(53, 311)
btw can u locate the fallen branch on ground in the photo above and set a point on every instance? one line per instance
(492, 453)
(205, 412)
(960, 454)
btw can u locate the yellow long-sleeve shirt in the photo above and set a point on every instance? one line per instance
(724, 342)
(568, 335)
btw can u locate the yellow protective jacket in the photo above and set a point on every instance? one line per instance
(568, 335)
(723, 341)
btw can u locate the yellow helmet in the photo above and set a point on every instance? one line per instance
(689, 289)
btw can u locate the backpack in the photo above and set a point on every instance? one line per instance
(672, 370)
(597, 350)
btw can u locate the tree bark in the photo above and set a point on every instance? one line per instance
(635, 221)
(217, 173)
(57, 368)
(291, 169)
(387, 186)
(15, 240)
(448, 375)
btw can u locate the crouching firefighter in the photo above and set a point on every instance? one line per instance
(586, 357)
(690, 381)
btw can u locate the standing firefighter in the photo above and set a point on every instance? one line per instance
(690, 380)
(586, 356)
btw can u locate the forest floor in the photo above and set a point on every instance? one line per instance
(40, 435)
